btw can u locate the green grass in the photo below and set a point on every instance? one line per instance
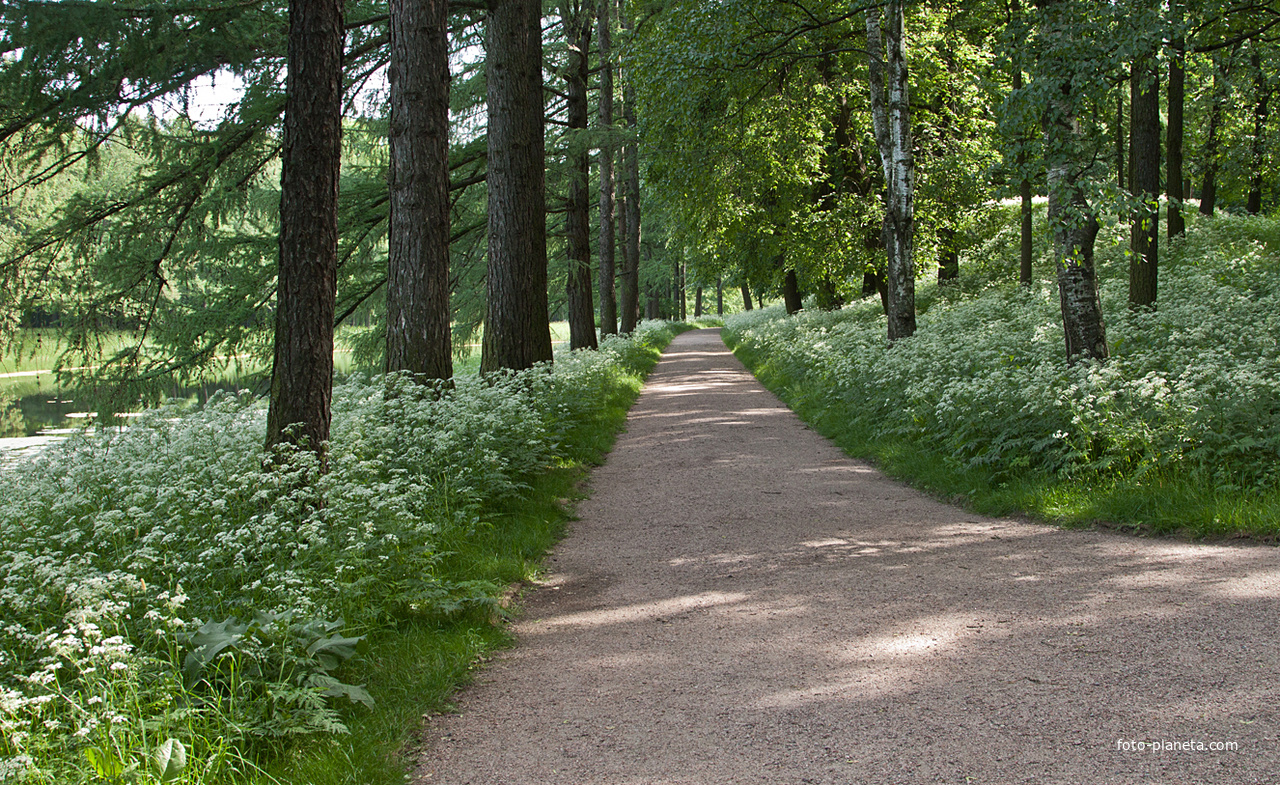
(409, 674)
(1158, 503)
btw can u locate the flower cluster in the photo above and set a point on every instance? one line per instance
(1193, 384)
(164, 587)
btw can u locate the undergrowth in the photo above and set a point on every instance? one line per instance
(1179, 431)
(174, 612)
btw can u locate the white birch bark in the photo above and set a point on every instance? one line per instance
(1071, 218)
(891, 114)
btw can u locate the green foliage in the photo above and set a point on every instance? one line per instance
(756, 121)
(982, 401)
(120, 208)
(163, 583)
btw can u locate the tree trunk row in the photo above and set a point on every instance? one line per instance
(629, 288)
(576, 17)
(608, 241)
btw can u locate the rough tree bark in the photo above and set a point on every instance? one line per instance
(719, 297)
(418, 316)
(629, 288)
(302, 373)
(623, 250)
(891, 113)
(630, 285)
(608, 241)
(517, 332)
(697, 302)
(1071, 218)
(746, 296)
(1026, 248)
(1175, 224)
(576, 15)
(1144, 159)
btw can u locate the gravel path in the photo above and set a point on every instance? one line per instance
(740, 603)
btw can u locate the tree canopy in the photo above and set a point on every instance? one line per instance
(740, 136)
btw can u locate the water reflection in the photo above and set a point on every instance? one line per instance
(55, 409)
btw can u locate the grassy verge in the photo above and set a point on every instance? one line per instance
(1164, 502)
(1177, 434)
(413, 671)
(178, 611)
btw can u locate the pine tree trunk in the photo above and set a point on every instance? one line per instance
(675, 291)
(630, 289)
(517, 330)
(891, 113)
(1144, 157)
(418, 316)
(1175, 224)
(608, 242)
(624, 253)
(582, 317)
(302, 373)
(629, 302)
(1071, 218)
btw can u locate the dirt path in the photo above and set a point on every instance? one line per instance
(740, 603)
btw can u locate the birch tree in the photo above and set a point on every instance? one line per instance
(891, 116)
(1072, 219)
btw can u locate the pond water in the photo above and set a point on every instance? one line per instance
(52, 409)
